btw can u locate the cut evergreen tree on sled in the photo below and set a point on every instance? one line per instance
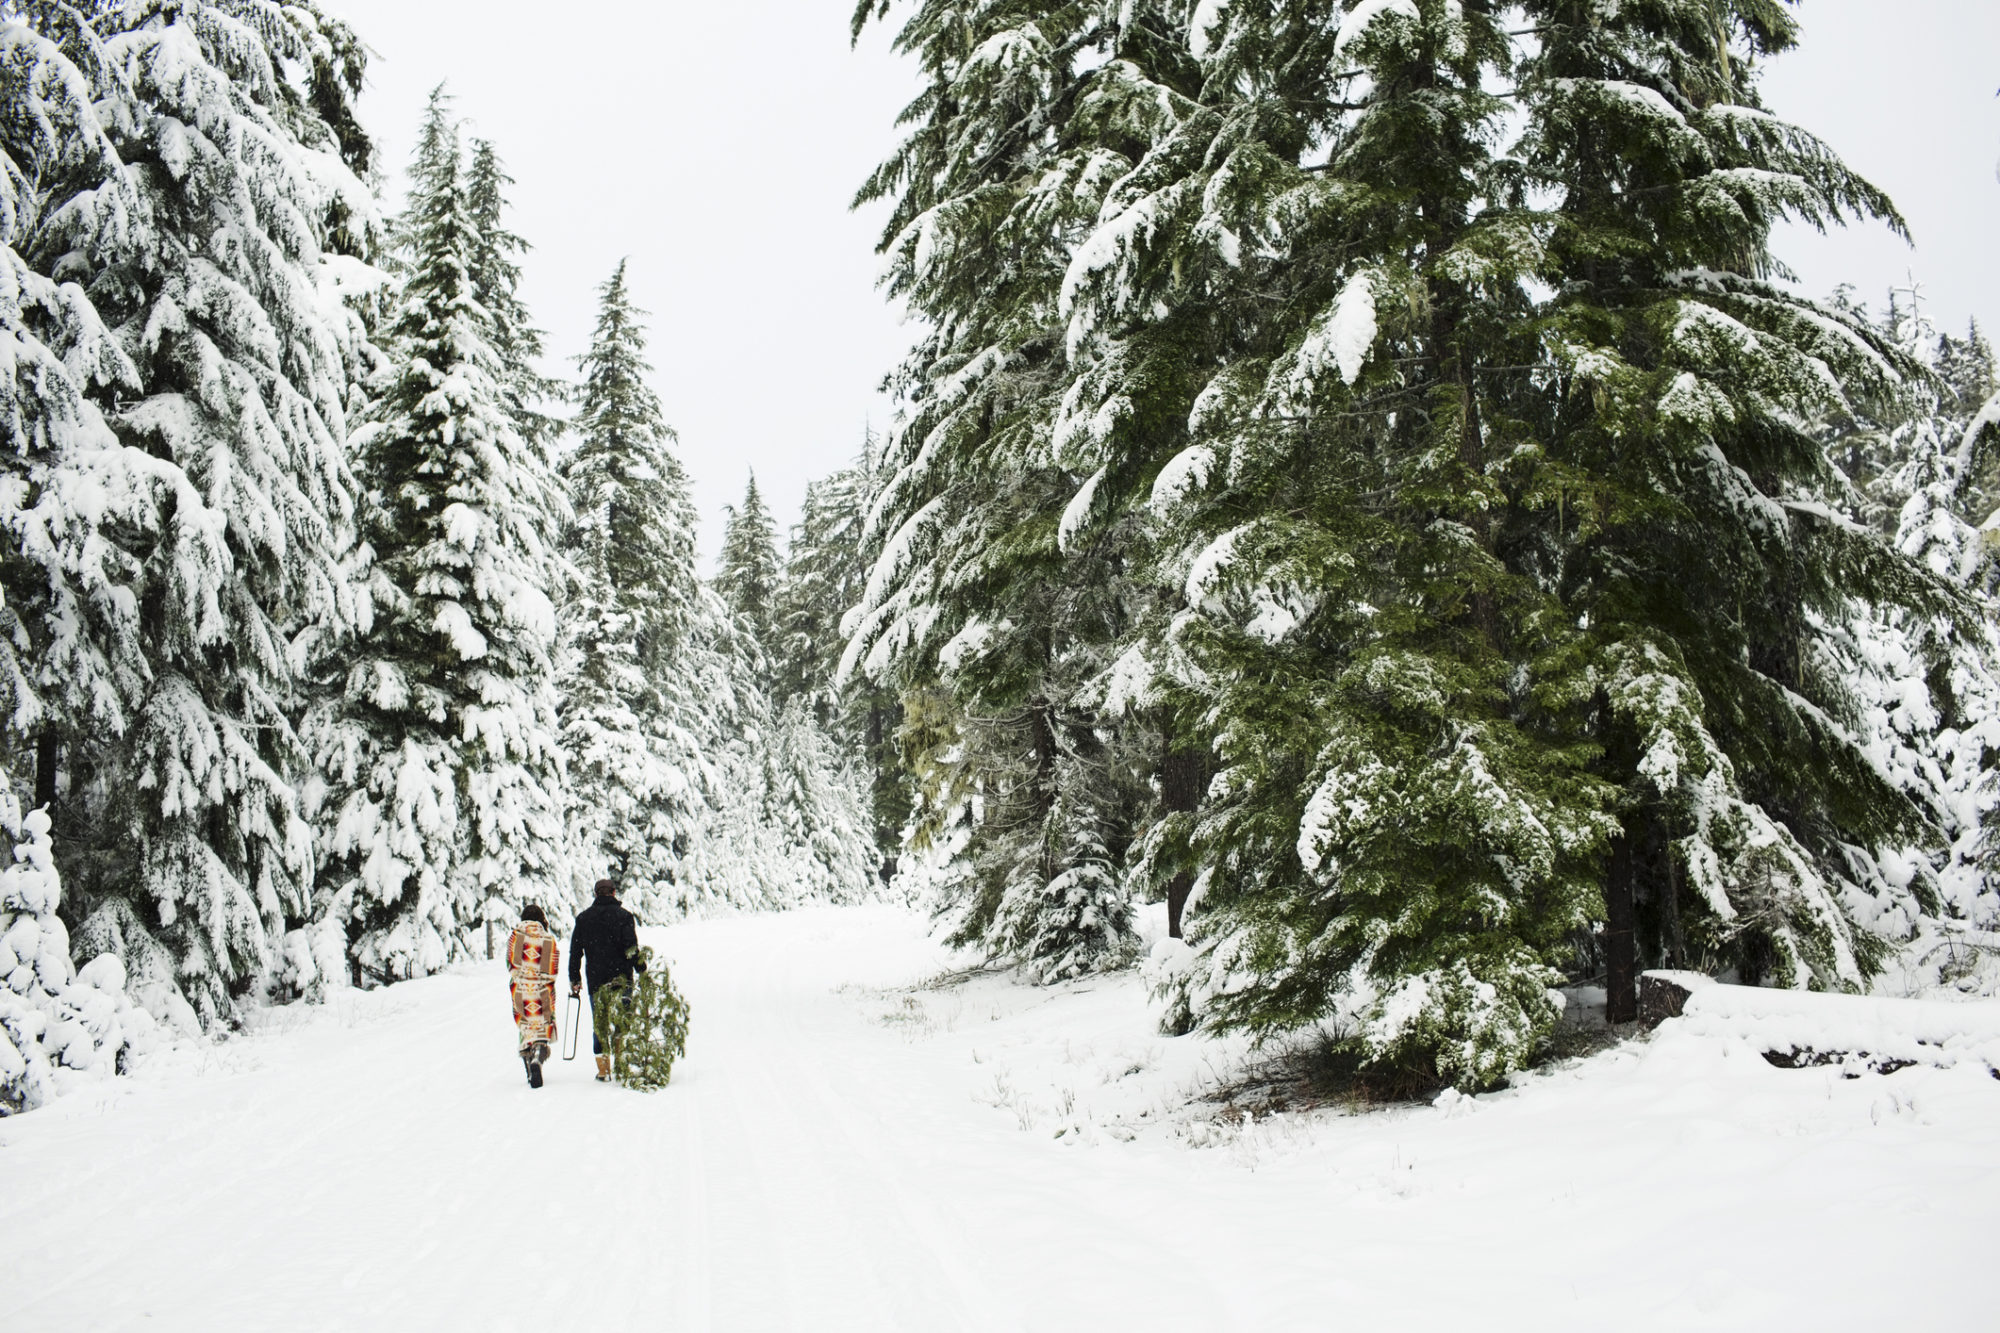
(643, 1025)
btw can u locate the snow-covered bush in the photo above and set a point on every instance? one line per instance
(56, 1023)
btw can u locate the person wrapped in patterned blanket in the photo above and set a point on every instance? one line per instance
(534, 957)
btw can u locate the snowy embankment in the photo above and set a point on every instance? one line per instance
(1856, 1032)
(842, 1151)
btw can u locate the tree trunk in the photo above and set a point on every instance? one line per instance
(48, 752)
(1183, 773)
(1042, 723)
(1621, 952)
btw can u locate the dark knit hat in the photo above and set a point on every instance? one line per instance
(607, 888)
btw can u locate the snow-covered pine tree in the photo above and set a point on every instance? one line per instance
(444, 800)
(71, 655)
(825, 571)
(1398, 836)
(204, 252)
(789, 814)
(996, 591)
(632, 722)
(816, 809)
(1926, 691)
(749, 572)
(1877, 439)
(496, 279)
(1389, 529)
(1697, 532)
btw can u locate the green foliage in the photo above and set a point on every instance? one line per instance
(998, 591)
(642, 1023)
(1447, 492)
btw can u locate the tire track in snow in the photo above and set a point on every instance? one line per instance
(863, 1169)
(695, 1299)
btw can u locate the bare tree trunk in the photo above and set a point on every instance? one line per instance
(1183, 773)
(48, 752)
(1621, 951)
(1041, 719)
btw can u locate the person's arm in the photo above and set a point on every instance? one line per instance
(576, 960)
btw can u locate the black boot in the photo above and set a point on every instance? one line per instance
(528, 1063)
(536, 1054)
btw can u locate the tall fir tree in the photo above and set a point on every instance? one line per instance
(998, 590)
(825, 570)
(632, 725)
(1926, 691)
(196, 217)
(1752, 817)
(437, 741)
(72, 655)
(495, 274)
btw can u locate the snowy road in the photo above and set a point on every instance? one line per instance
(833, 1155)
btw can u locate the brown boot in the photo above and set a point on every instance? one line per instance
(603, 1069)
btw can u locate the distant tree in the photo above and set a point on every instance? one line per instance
(826, 571)
(749, 573)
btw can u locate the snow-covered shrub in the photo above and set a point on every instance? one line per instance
(313, 961)
(56, 1023)
(1076, 921)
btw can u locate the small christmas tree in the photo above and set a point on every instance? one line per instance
(643, 1026)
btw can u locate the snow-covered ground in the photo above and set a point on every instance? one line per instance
(840, 1152)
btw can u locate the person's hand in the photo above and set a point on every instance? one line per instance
(576, 990)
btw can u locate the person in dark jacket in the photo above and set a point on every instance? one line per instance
(602, 950)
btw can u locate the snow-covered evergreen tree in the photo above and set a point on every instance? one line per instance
(444, 801)
(825, 571)
(1403, 432)
(1926, 690)
(1395, 836)
(632, 724)
(71, 655)
(1750, 809)
(817, 811)
(190, 219)
(495, 274)
(997, 589)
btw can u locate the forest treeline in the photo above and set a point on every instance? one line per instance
(1363, 481)
(336, 629)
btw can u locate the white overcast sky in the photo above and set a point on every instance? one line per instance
(718, 145)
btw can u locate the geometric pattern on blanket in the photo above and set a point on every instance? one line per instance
(533, 959)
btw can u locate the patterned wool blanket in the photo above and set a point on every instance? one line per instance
(533, 959)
